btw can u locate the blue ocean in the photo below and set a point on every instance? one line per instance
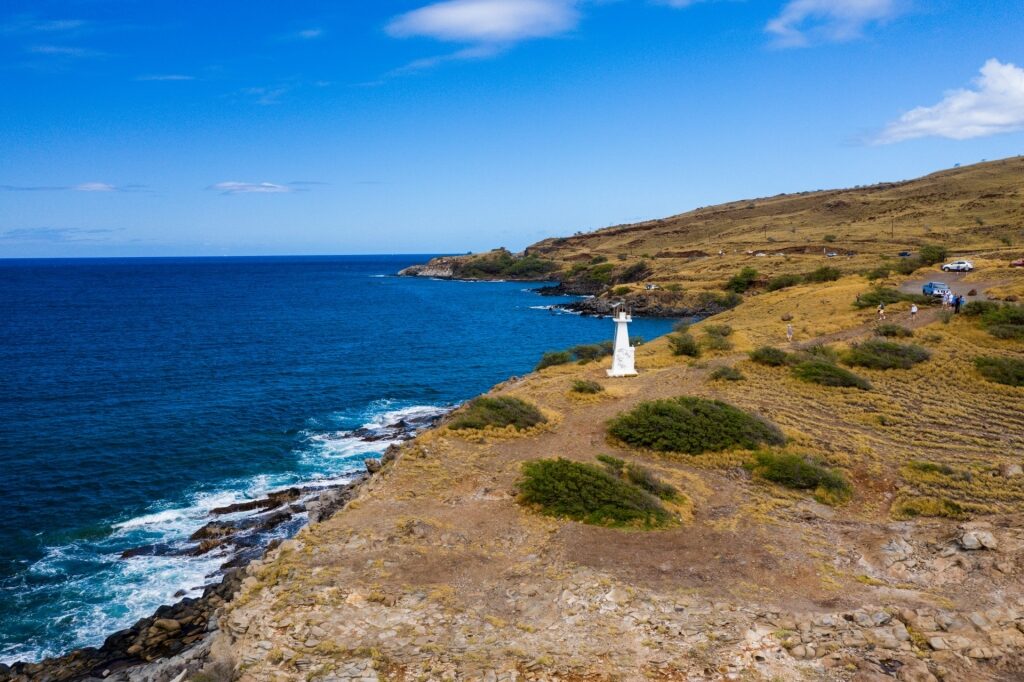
(138, 394)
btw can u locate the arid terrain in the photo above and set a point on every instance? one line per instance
(437, 572)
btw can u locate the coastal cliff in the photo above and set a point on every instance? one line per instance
(876, 535)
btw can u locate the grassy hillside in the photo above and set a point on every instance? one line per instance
(846, 506)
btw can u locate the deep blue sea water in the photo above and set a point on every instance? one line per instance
(137, 394)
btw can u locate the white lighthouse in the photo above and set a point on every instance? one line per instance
(623, 354)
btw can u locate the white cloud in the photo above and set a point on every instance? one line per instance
(94, 187)
(63, 51)
(995, 105)
(250, 188)
(166, 77)
(310, 33)
(803, 22)
(487, 21)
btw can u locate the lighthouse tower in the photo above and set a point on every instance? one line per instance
(623, 360)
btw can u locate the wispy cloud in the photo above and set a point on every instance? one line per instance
(806, 22)
(56, 234)
(64, 51)
(266, 95)
(165, 77)
(27, 25)
(994, 105)
(81, 187)
(488, 27)
(232, 187)
(309, 33)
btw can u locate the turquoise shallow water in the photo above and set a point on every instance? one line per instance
(135, 395)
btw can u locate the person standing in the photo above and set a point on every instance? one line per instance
(881, 311)
(789, 333)
(913, 311)
(957, 302)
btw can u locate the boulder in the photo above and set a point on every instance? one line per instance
(978, 539)
(372, 464)
(1011, 470)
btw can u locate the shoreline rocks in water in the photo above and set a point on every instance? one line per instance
(181, 630)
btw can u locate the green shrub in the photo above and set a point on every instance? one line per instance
(878, 354)
(640, 476)
(978, 308)
(871, 299)
(620, 291)
(783, 282)
(819, 351)
(586, 386)
(823, 274)
(711, 301)
(529, 266)
(682, 326)
(499, 412)
(940, 469)
(1009, 371)
(684, 344)
(692, 426)
(716, 342)
(930, 254)
(597, 260)
(726, 373)
(718, 330)
(591, 351)
(801, 473)
(771, 356)
(633, 341)
(741, 281)
(1004, 322)
(634, 273)
(826, 374)
(583, 492)
(907, 266)
(880, 272)
(552, 358)
(830, 238)
(893, 330)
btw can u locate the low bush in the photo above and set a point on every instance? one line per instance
(713, 302)
(783, 282)
(552, 358)
(978, 308)
(825, 273)
(1004, 322)
(716, 342)
(871, 299)
(583, 492)
(726, 373)
(620, 291)
(771, 356)
(930, 254)
(684, 344)
(499, 412)
(801, 473)
(682, 326)
(939, 469)
(591, 351)
(827, 374)
(892, 331)
(830, 238)
(640, 476)
(819, 351)
(741, 281)
(878, 354)
(1008, 371)
(718, 330)
(692, 426)
(586, 386)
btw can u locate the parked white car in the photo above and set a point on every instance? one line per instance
(958, 266)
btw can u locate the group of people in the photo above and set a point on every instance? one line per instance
(954, 301)
(949, 300)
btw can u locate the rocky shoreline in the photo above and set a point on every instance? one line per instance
(176, 638)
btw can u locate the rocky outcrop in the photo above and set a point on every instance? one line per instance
(440, 268)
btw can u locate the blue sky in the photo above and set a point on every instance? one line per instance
(228, 128)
